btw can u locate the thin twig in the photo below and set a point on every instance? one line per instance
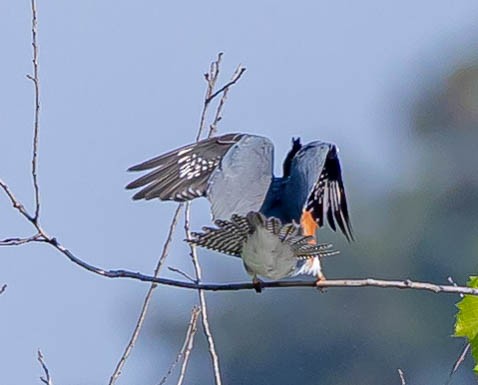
(180, 272)
(3, 288)
(402, 377)
(47, 380)
(450, 279)
(19, 241)
(36, 125)
(189, 346)
(211, 79)
(202, 300)
(458, 362)
(15, 202)
(218, 116)
(147, 299)
(185, 350)
(227, 85)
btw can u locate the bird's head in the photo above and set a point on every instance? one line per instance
(296, 146)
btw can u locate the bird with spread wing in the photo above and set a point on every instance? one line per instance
(235, 173)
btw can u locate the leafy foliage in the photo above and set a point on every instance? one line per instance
(467, 320)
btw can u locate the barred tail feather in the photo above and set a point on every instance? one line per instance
(227, 238)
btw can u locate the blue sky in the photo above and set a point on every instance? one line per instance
(123, 81)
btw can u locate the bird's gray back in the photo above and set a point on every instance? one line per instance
(240, 183)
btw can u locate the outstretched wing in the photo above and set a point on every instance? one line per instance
(316, 186)
(233, 171)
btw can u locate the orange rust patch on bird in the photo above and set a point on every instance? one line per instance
(309, 225)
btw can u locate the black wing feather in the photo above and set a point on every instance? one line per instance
(328, 199)
(182, 174)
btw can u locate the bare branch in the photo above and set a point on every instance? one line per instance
(365, 282)
(185, 350)
(36, 125)
(47, 380)
(147, 299)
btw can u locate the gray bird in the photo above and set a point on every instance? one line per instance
(235, 173)
(267, 247)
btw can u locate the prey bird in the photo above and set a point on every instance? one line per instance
(267, 247)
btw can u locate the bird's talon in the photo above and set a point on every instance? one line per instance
(257, 284)
(320, 279)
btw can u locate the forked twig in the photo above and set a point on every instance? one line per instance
(218, 116)
(188, 344)
(47, 380)
(225, 87)
(182, 273)
(17, 205)
(36, 125)
(211, 78)
(185, 350)
(36, 129)
(19, 241)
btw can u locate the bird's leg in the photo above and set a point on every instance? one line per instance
(309, 225)
(257, 283)
(320, 277)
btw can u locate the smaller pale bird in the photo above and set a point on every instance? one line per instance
(267, 247)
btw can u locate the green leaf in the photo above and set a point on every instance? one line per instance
(474, 352)
(467, 318)
(466, 324)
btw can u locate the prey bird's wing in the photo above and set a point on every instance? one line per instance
(233, 171)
